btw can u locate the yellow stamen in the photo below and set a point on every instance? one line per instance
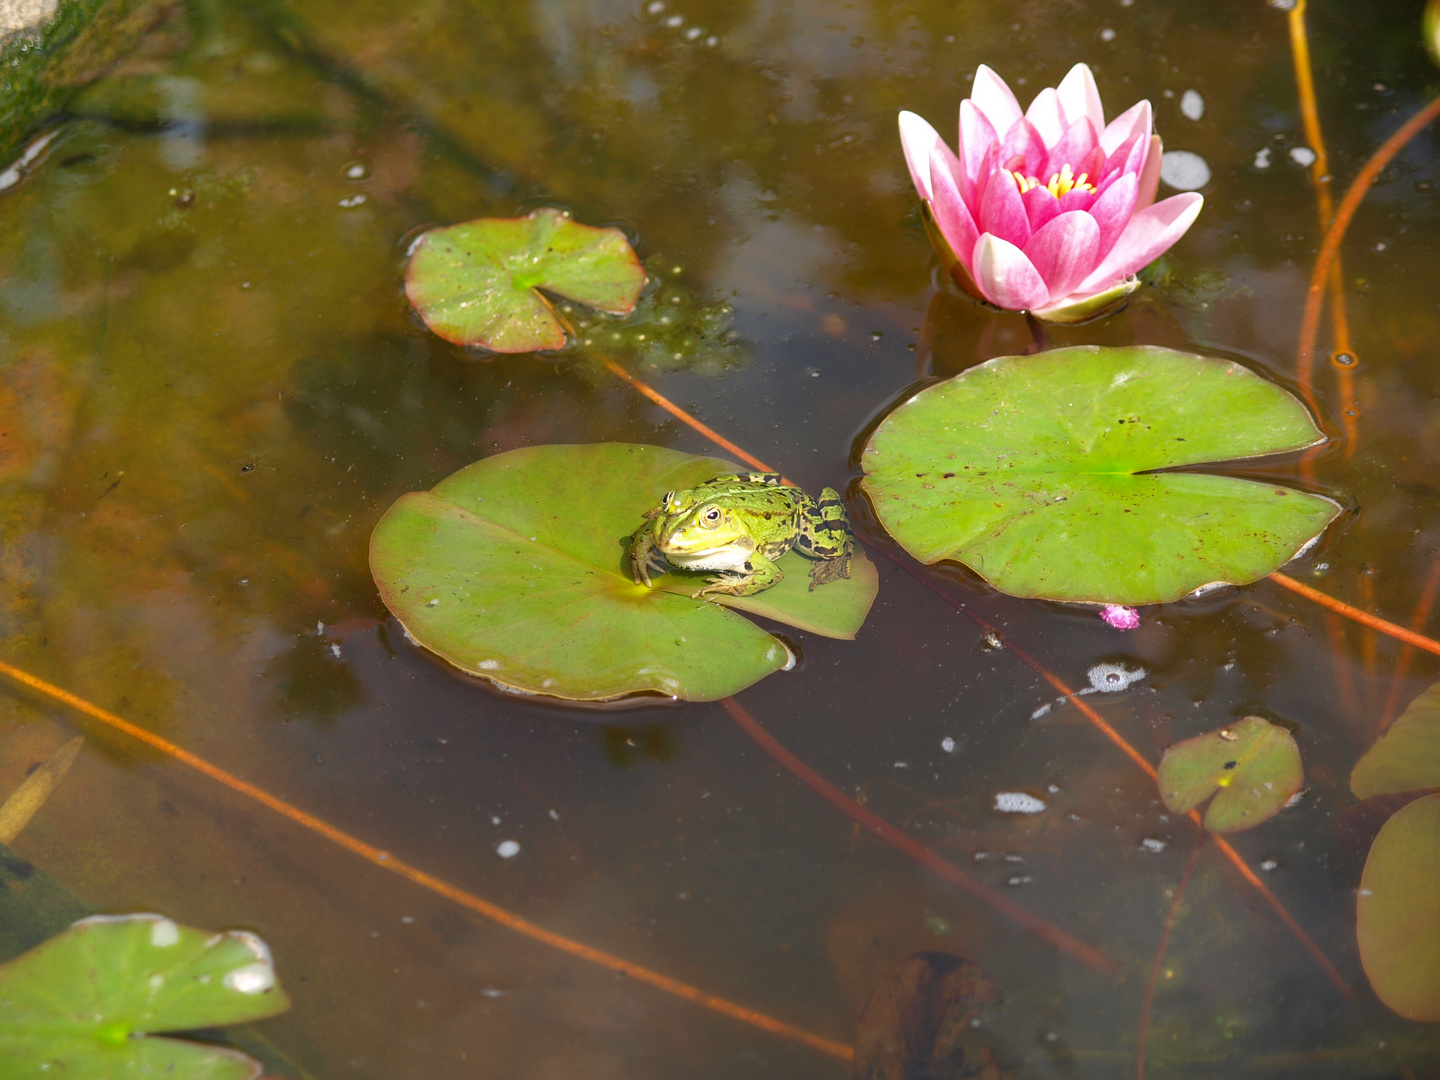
(1061, 183)
(1025, 182)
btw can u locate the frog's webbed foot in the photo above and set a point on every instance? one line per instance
(824, 571)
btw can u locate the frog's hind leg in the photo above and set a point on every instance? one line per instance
(826, 537)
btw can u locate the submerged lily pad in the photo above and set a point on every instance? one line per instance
(1397, 914)
(84, 1002)
(1407, 756)
(1038, 472)
(514, 569)
(478, 283)
(1252, 768)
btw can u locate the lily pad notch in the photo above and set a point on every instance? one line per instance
(482, 282)
(1058, 476)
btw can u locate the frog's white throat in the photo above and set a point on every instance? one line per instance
(728, 558)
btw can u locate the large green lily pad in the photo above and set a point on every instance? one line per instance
(514, 569)
(82, 1003)
(478, 283)
(1038, 472)
(1252, 768)
(1407, 756)
(1397, 913)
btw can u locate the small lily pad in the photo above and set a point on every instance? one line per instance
(1252, 768)
(1407, 756)
(480, 282)
(1397, 913)
(514, 569)
(1041, 473)
(85, 1002)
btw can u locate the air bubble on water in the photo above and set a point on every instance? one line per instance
(1154, 845)
(1302, 156)
(1192, 105)
(1113, 678)
(947, 744)
(1019, 879)
(1107, 35)
(1041, 711)
(655, 7)
(693, 33)
(507, 849)
(350, 201)
(1018, 802)
(1262, 158)
(357, 170)
(1268, 865)
(1184, 170)
(674, 22)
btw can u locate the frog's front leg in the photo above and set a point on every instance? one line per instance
(826, 537)
(642, 546)
(759, 573)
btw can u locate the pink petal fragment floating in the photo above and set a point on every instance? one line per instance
(1120, 617)
(1016, 172)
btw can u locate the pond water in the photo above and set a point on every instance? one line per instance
(214, 387)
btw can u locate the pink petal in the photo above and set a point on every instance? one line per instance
(951, 216)
(1115, 162)
(1074, 147)
(1147, 235)
(1120, 617)
(1044, 113)
(1079, 96)
(1002, 211)
(1040, 206)
(993, 98)
(1150, 176)
(1006, 276)
(1023, 142)
(1134, 120)
(1113, 209)
(977, 139)
(918, 138)
(1064, 251)
(1076, 199)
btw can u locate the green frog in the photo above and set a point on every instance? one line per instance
(739, 525)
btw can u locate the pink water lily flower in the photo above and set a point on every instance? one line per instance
(1050, 211)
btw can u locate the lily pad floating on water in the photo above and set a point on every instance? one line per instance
(1397, 912)
(480, 282)
(1041, 474)
(1407, 756)
(1252, 768)
(85, 1002)
(514, 569)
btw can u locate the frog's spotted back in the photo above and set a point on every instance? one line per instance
(738, 525)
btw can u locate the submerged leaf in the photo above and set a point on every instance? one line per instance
(26, 800)
(918, 1022)
(1397, 914)
(1253, 765)
(1039, 472)
(81, 1003)
(1407, 756)
(478, 283)
(514, 569)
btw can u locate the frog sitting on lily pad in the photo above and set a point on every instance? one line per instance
(519, 569)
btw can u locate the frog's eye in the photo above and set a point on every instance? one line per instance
(668, 499)
(711, 516)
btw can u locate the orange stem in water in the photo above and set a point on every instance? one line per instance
(1407, 653)
(386, 861)
(1160, 956)
(1330, 248)
(1364, 618)
(899, 840)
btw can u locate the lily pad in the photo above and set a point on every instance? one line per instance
(514, 569)
(1040, 473)
(84, 1002)
(478, 283)
(1397, 913)
(1407, 756)
(1252, 768)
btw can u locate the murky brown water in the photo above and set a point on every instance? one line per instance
(214, 388)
